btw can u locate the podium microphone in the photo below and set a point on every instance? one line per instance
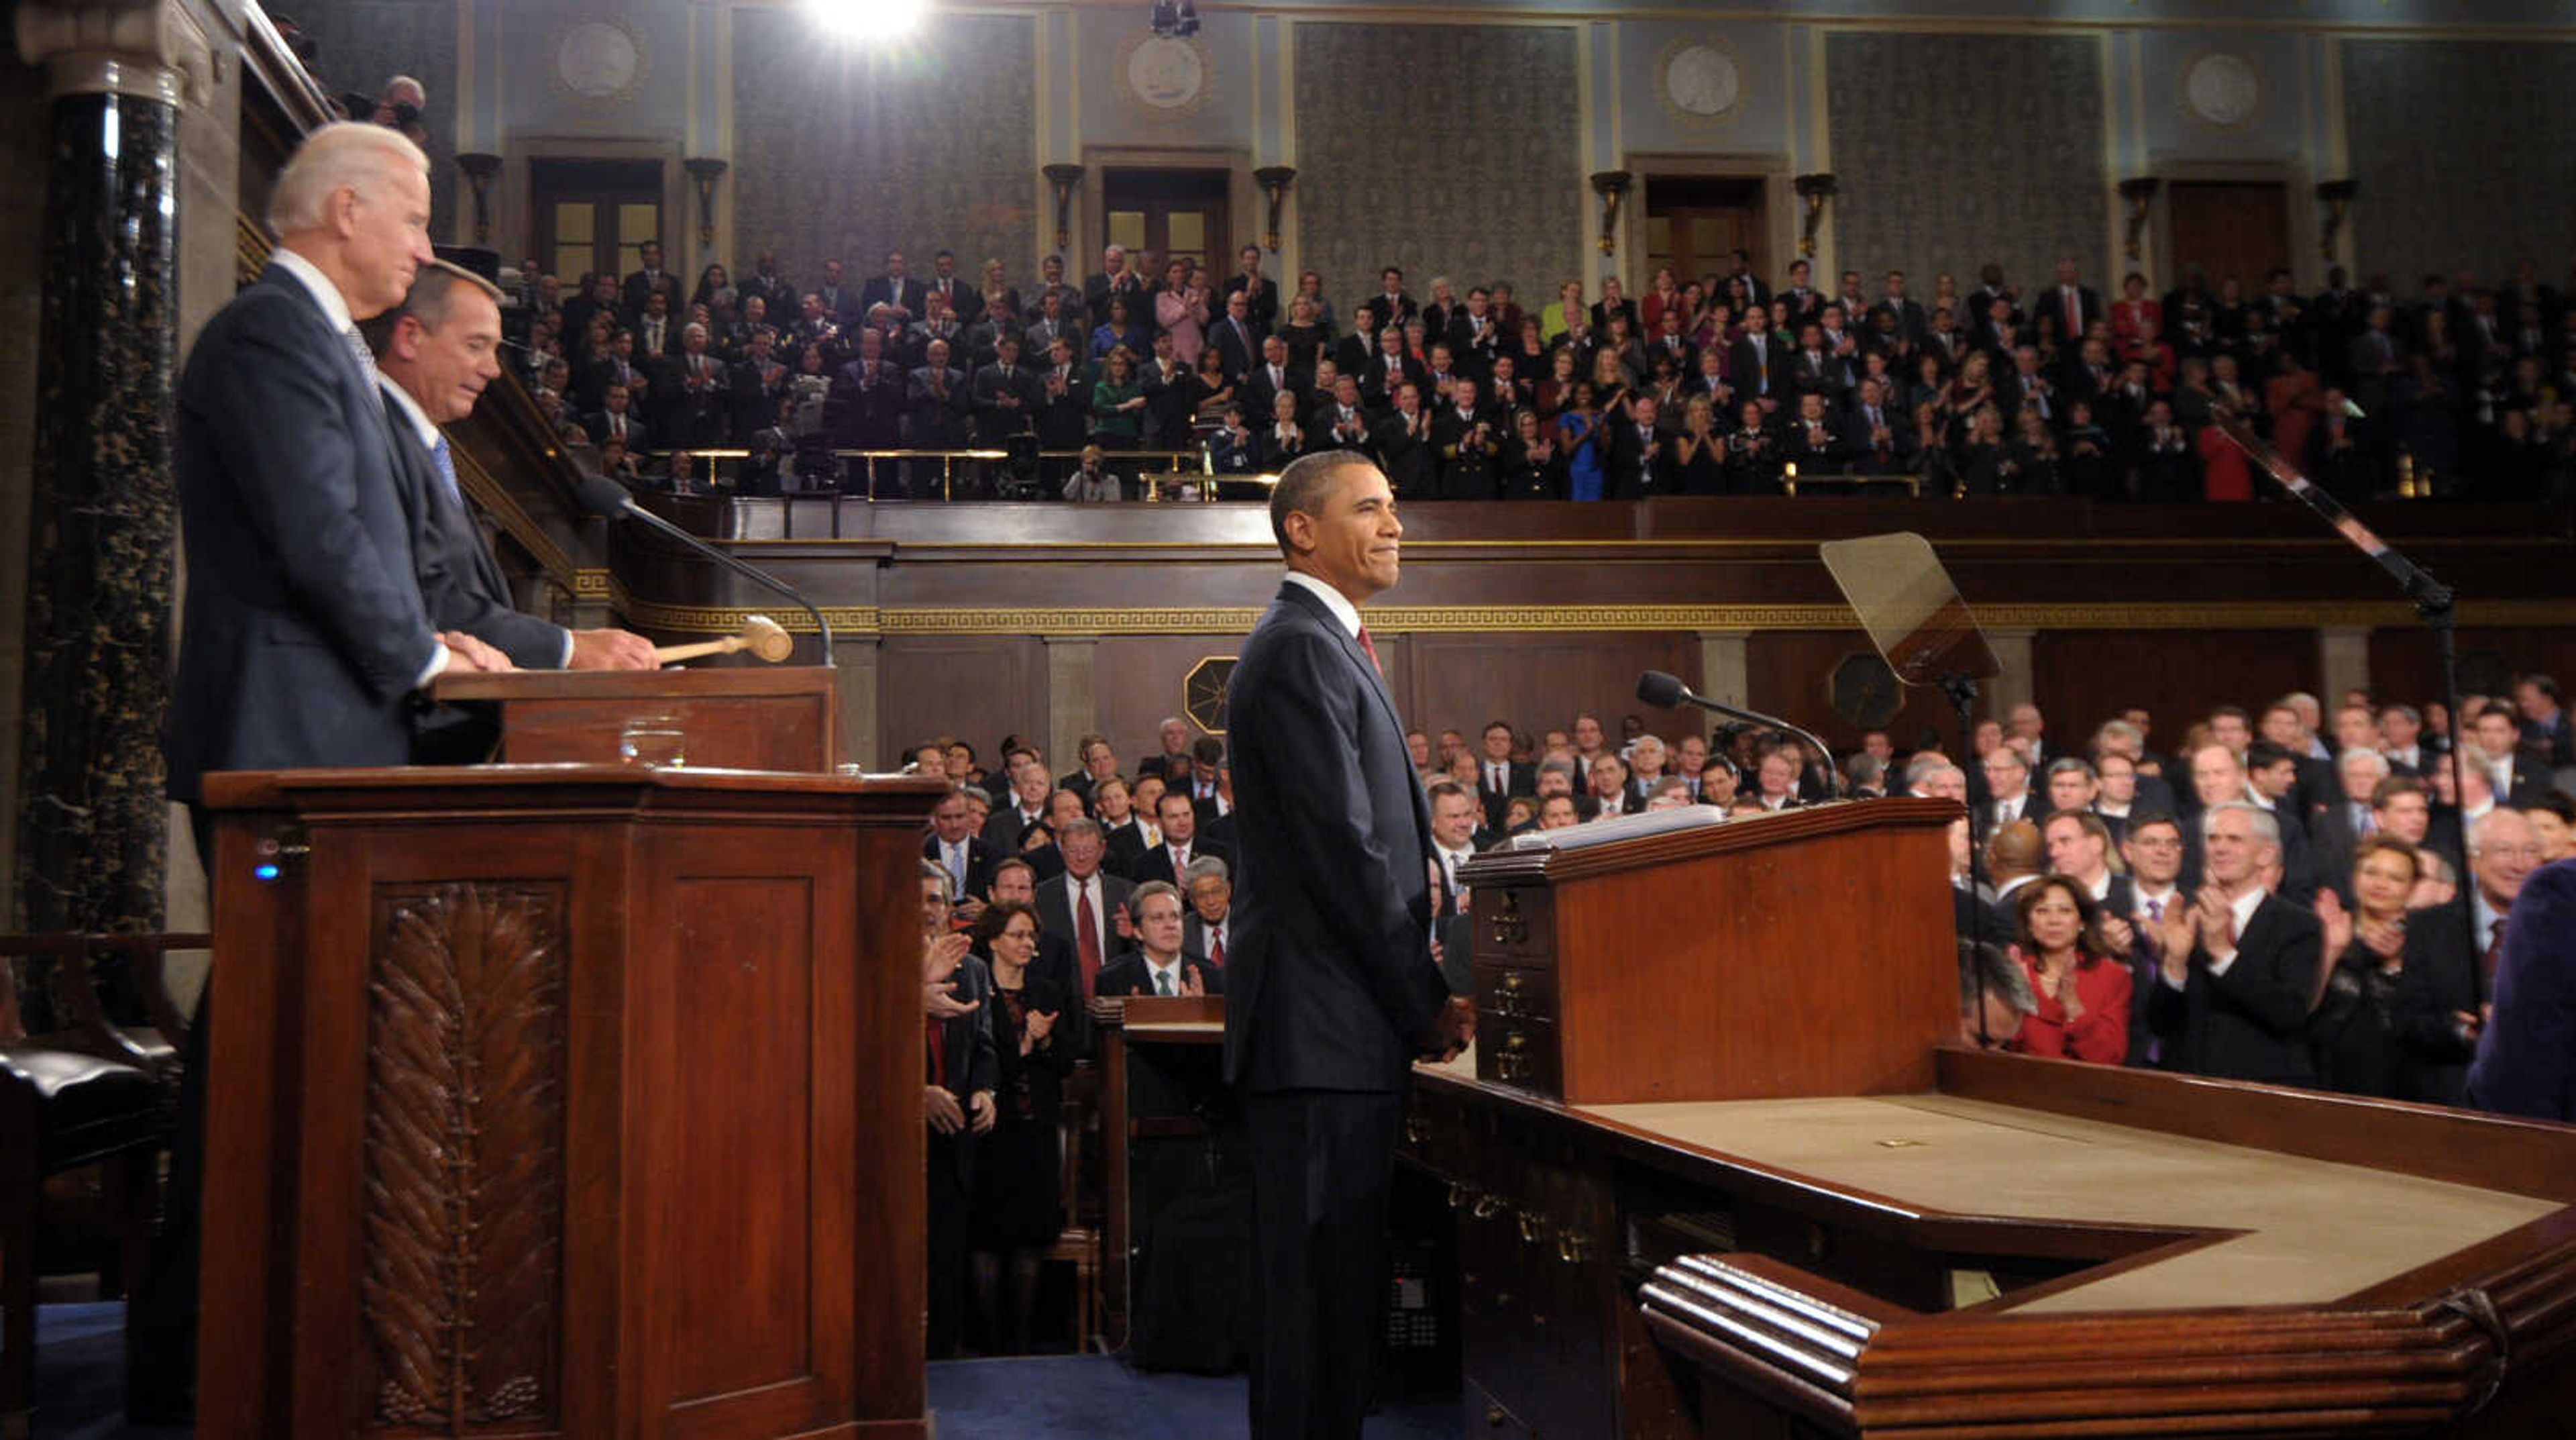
(606, 498)
(1666, 692)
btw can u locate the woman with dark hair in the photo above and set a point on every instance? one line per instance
(2356, 1024)
(1116, 333)
(1306, 335)
(715, 291)
(1117, 403)
(2083, 992)
(1578, 435)
(1019, 1191)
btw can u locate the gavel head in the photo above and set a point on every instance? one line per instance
(765, 638)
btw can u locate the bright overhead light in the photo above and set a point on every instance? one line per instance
(870, 19)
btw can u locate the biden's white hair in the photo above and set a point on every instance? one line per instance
(346, 154)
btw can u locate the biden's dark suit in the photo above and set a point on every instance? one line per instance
(1329, 981)
(304, 632)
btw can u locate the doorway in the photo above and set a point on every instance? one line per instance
(1696, 223)
(2230, 227)
(1168, 215)
(593, 216)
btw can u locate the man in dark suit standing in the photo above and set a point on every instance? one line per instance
(1334, 988)
(1260, 292)
(2526, 1062)
(2239, 965)
(304, 638)
(2073, 304)
(1082, 906)
(650, 280)
(434, 355)
(1178, 814)
(1498, 776)
(305, 635)
(894, 290)
(961, 854)
(960, 1082)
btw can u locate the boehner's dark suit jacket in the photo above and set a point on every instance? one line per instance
(304, 631)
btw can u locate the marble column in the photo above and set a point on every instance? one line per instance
(92, 827)
(2014, 686)
(2343, 663)
(1072, 708)
(1725, 668)
(854, 659)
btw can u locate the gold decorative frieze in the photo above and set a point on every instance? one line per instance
(848, 621)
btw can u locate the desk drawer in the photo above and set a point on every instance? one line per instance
(1507, 994)
(1519, 1052)
(1515, 924)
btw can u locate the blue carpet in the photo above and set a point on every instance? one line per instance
(1097, 1397)
(80, 1373)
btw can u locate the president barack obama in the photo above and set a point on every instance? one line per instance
(1332, 988)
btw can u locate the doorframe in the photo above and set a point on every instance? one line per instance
(1770, 167)
(2307, 270)
(514, 218)
(1242, 200)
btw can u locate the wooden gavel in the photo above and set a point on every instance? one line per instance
(760, 635)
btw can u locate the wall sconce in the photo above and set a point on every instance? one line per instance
(706, 170)
(1274, 183)
(1063, 177)
(1815, 190)
(2337, 197)
(480, 167)
(2139, 192)
(1611, 186)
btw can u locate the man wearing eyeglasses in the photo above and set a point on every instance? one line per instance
(2451, 962)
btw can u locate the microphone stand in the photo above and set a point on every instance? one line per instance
(623, 505)
(2435, 605)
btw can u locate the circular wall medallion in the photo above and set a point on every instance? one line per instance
(1167, 72)
(2222, 89)
(599, 60)
(1701, 80)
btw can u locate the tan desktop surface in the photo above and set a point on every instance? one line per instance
(2318, 1231)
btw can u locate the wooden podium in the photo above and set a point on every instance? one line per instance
(564, 1100)
(736, 717)
(1713, 1174)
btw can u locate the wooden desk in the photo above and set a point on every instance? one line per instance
(1196, 1022)
(564, 1100)
(734, 717)
(1712, 1176)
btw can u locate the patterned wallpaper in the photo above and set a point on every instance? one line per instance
(2461, 150)
(362, 43)
(1440, 148)
(837, 155)
(1956, 150)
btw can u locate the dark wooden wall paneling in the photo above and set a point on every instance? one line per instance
(1537, 682)
(2083, 677)
(1789, 673)
(2401, 660)
(1139, 679)
(976, 687)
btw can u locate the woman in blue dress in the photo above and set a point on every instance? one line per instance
(1578, 434)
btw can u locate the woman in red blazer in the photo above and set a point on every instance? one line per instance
(2082, 990)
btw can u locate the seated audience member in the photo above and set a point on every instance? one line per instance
(2238, 967)
(2526, 1062)
(2079, 988)
(1178, 818)
(2553, 824)
(1609, 795)
(2355, 1032)
(2015, 857)
(1015, 880)
(1159, 966)
(1557, 812)
(1207, 927)
(1775, 778)
(1018, 1210)
(2079, 847)
(1994, 996)
(2448, 974)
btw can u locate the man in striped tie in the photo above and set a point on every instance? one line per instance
(434, 354)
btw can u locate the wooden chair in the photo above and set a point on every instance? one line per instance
(84, 1091)
(1079, 1243)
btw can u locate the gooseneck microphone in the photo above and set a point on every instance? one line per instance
(605, 497)
(1666, 692)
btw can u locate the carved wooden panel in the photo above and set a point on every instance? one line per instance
(464, 1151)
